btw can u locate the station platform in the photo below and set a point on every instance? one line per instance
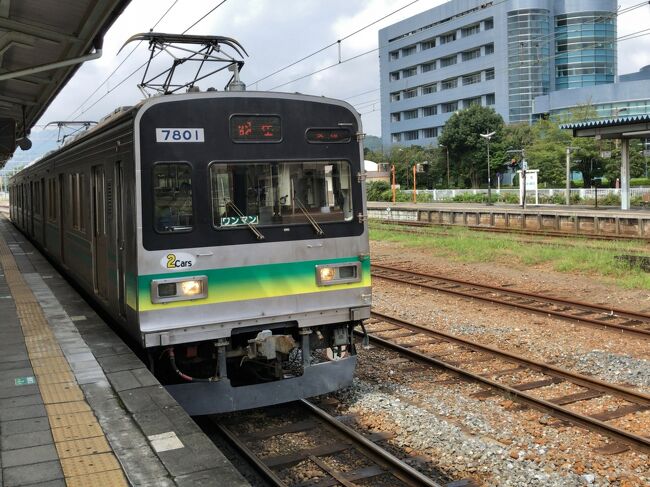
(586, 220)
(77, 406)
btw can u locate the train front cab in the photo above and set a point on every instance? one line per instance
(253, 264)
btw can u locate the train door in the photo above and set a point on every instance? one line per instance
(100, 247)
(61, 219)
(119, 237)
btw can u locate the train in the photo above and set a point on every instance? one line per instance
(225, 231)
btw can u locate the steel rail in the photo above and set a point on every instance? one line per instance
(381, 457)
(410, 474)
(420, 230)
(250, 456)
(635, 441)
(521, 231)
(593, 308)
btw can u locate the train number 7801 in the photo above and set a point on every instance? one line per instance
(180, 135)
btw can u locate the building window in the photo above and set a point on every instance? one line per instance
(393, 55)
(395, 117)
(411, 114)
(449, 107)
(469, 55)
(489, 74)
(428, 67)
(407, 51)
(394, 76)
(427, 89)
(411, 135)
(448, 84)
(488, 24)
(489, 49)
(430, 132)
(430, 110)
(470, 30)
(395, 96)
(468, 102)
(471, 79)
(449, 37)
(396, 137)
(489, 99)
(448, 61)
(412, 93)
(407, 73)
(428, 44)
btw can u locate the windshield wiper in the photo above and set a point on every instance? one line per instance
(243, 218)
(302, 208)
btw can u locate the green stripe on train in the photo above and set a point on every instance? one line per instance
(253, 282)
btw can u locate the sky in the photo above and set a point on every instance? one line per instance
(274, 33)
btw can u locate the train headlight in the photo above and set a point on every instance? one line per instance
(328, 275)
(179, 289)
(191, 288)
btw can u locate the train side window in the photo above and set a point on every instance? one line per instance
(51, 200)
(172, 192)
(77, 182)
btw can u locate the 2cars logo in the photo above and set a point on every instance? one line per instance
(178, 260)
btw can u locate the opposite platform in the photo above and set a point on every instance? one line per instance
(77, 407)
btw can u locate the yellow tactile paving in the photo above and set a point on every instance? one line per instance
(67, 408)
(65, 392)
(85, 446)
(56, 378)
(70, 419)
(113, 478)
(76, 432)
(88, 464)
(85, 455)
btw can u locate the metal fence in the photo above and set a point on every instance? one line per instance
(583, 193)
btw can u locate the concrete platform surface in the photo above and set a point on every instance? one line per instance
(77, 407)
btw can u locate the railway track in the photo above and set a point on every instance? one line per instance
(518, 377)
(593, 315)
(330, 452)
(553, 242)
(520, 231)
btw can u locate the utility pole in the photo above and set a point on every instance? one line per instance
(487, 137)
(392, 170)
(567, 197)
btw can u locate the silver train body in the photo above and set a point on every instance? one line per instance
(225, 232)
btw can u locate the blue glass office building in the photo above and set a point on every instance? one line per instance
(502, 54)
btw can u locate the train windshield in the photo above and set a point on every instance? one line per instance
(280, 193)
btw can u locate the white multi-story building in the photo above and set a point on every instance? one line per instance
(500, 54)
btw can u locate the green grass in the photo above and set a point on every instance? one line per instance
(463, 245)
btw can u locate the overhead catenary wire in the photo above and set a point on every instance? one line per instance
(622, 38)
(335, 43)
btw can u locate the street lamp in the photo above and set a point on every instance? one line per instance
(447, 148)
(487, 137)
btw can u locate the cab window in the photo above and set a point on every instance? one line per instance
(172, 193)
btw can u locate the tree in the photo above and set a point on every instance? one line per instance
(467, 150)
(547, 152)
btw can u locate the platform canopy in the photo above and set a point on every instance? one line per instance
(42, 44)
(622, 128)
